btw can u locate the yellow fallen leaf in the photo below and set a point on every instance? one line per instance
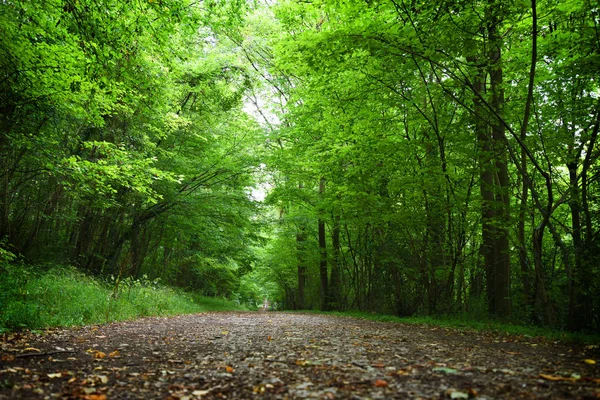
(556, 378)
(269, 338)
(225, 333)
(589, 361)
(32, 349)
(56, 375)
(95, 397)
(114, 353)
(229, 369)
(550, 377)
(99, 354)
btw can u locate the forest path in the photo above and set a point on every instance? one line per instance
(289, 355)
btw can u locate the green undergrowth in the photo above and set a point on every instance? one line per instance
(467, 323)
(61, 296)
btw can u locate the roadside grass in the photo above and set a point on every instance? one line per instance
(466, 322)
(63, 296)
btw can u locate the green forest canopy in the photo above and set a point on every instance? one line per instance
(418, 157)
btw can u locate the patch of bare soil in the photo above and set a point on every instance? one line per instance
(289, 356)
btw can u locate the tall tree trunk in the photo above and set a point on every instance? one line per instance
(501, 203)
(300, 244)
(488, 230)
(334, 277)
(323, 252)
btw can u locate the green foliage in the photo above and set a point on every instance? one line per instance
(382, 102)
(124, 149)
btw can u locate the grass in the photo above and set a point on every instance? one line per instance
(464, 322)
(66, 297)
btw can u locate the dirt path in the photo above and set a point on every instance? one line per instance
(279, 356)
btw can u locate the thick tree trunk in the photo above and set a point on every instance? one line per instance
(334, 277)
(323, 253)
(501, 203)
(300, 239)
(488, 230)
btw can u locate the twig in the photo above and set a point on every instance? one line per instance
(47, 353)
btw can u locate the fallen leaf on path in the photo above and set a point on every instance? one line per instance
(589, 361)
(8, 357)
(94, 397)
(456, 394)
(114, 353)
(32, 349)
(229, 369)
(445, 370)
(99, 354)
(380, 383)
(55, 375)
(200, 392)
(259, 389)
(557, 378)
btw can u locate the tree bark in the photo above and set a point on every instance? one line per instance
(323, 253)
(300, 239)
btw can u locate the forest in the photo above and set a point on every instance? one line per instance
(402, 157)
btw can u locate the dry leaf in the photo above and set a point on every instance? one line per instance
(551, 377)
(200, 392)
(95, 397)
(557, 378)
(380, 383)
(32, 349)
(114, 353)
(8, 357)
(99, 354)
(55, 375)
(589, 361)
(229, 369)
(269, 338)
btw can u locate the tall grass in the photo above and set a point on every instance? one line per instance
(63, 296)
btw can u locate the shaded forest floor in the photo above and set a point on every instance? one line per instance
(279, 355)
